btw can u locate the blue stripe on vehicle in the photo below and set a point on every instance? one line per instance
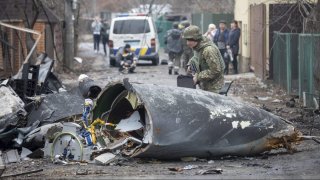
(137, 52)
(149, 51)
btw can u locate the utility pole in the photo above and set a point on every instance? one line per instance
(69, 35)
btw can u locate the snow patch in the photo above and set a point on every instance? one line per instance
(245, 124)
(235, 124)
(230, 115)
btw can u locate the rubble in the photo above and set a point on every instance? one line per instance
(24, 153)
(57, 107)
(11, 156)
(105, 158)
(23, 173)
(12, 112)
(36, 138)
(188, 159)
(210, 171)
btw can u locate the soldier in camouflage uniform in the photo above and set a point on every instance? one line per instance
(187, 53)
(207, 63)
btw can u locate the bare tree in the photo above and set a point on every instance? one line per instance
(178, 6)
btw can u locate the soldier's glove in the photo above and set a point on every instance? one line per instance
(189, 71)
(195, 79)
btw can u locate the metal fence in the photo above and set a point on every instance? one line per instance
(164, 25)
(294, 58)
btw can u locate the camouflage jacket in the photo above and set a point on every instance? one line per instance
(209, 65)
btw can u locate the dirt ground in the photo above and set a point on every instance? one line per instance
(302, 164)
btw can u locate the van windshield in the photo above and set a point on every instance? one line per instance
(133, 26)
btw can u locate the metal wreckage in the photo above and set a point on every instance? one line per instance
(142, 120)
(128, 120)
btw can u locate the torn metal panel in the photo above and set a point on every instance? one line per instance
(36, 138)
(105, 158)
(24, 153)
(131, 124)
(180, 122)
(67, 144)
(11, 156)
(12, 112)
(56, 107)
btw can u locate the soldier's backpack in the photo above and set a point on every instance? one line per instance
(175, 34)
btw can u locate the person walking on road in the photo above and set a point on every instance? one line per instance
(174, 46)
(96, 29)
(233, 44)
(220, 39)
(207, 63)
(105, 36)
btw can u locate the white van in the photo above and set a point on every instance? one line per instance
(137, 30)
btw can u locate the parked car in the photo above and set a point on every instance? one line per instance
(137, 30)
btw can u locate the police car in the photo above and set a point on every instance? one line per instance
(139, 31)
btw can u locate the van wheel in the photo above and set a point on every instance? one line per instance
(155, 61)
(112, 62)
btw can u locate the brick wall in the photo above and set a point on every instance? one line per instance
(40, 27)
(17, 39)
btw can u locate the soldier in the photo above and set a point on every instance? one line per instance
(207, 63)
(187, 51)
(174, 46)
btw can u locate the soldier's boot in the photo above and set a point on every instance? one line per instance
(170, 67)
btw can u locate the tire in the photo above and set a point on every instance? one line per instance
(112, 62)
(155, 61)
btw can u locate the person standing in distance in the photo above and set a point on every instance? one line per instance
(233, 44)
(96, 30)
(220, 39)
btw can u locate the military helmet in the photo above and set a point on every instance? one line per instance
(192, 32)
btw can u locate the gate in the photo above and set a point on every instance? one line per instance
(258, 39)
